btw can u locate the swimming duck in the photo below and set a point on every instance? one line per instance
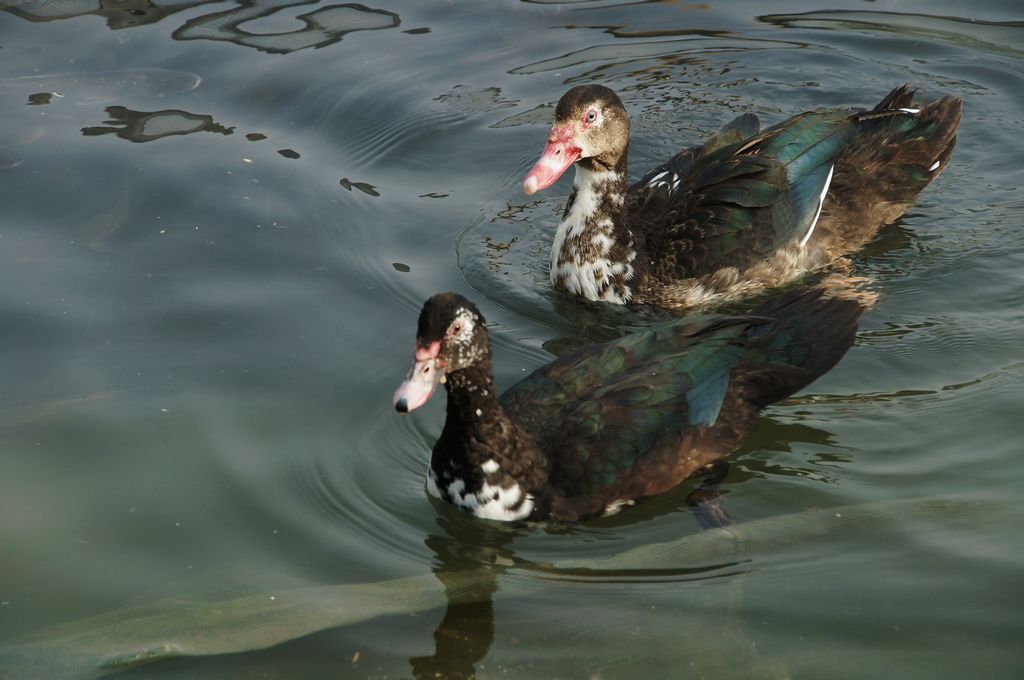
(746, 211)
(594, 431)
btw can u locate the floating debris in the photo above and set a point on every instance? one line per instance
(9, 158)
(468, 101)
(255, 136)
(288, 153)
(399, 267)
(105, 86)
(40, 98)
(368, 189)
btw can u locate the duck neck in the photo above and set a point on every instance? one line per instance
(469, 390)
(592, 252)
(479, 462)
(474, 415)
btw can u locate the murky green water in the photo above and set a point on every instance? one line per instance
(219, 221)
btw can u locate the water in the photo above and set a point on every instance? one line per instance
(219, 222)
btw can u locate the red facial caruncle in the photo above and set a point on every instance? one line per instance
(559, 153)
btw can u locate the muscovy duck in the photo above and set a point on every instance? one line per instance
(746, 211)
(606, 425)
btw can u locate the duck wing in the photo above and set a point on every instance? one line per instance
(734, 203)
(636, 416)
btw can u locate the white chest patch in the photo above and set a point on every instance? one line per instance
(580, 261)
(505, 504)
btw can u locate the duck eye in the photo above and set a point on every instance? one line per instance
(456, 328)
(591, 115)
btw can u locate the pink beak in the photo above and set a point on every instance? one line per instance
(558, 155)
(417, 387)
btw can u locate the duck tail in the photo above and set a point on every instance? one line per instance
(900, 146)
(807, 332)
(926, 140)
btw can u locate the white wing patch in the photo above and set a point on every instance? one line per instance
(821, 202)
(911, 110)
(935, 165)
(616, 507)
(667, 179)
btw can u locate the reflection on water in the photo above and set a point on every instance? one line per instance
(989, 36)
(148, 126)
(619, 54)
(471, 102)
(322, 27)
(464, 546)
(466, 632)
(119, 13)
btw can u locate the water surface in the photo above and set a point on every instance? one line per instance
(220, 220)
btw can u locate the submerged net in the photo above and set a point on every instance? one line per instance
(93, 647)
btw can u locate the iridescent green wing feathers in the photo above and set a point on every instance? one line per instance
(734, 204)
(737, 199)
(614, 412)
(625, 400)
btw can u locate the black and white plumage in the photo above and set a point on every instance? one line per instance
(598, 429)
(746, 211)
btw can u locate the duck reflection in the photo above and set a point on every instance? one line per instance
(466, 633)
(464, 545)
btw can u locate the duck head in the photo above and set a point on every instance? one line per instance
(591, 127)
(451, 336)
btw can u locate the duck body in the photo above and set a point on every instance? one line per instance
(746, 211)
(595, 430)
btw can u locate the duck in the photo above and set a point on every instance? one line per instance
(609, 424)
(747, 211)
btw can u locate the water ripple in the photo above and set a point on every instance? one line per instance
(620, 53)
(1002, 38)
